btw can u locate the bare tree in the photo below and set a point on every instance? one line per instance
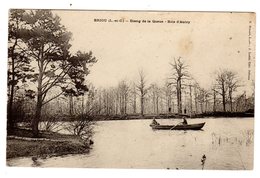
(106, 102)
(221, 85)
(190, 95)
(191, 86)
(240, 102)
(117, 100)
(196, 96)
(141, 87)
(232, 84)
(123, 91)
(202, 99)
(180, 73)
(214, 97)
(133, 97)
(155, 95)
(226, 84)
(167, 91)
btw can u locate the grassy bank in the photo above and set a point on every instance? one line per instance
(21, 144)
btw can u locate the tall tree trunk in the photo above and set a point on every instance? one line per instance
(214, 101)
(206, 105)
(107, 105)
(100, 104)
(201, 107)
(196, 100)
(224, 98)
(154, 107)
(125, 105)
(190, 101)
(142, 104)
(10, 120)
(37, 117)
(39, 103)
(117, 106)
(230, 98)
(120, 104)
(157, 105)
(179, 99)
(134, 106)
(168, 105)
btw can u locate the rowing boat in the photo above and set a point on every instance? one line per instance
(178, 127)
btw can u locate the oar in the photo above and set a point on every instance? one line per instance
(175, 126)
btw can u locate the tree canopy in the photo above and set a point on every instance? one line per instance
(46, 48)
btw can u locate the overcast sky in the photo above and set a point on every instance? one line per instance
(209, 42)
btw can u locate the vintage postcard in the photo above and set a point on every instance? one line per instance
(131, 89)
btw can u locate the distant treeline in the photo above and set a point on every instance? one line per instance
(225, 114)
(177, 116)
(249, 113)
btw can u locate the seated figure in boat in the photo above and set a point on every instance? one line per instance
(184, 121)
(154, 122)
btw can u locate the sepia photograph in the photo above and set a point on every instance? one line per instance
(130, 89)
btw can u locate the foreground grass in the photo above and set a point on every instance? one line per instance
(21, 144)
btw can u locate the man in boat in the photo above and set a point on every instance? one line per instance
(184, 121)
(154, 122)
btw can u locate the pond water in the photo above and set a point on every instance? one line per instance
(226, 142)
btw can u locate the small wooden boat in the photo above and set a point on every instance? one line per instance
(178, 127)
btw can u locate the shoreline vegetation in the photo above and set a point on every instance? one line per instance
(22, 144)
(174, 116)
